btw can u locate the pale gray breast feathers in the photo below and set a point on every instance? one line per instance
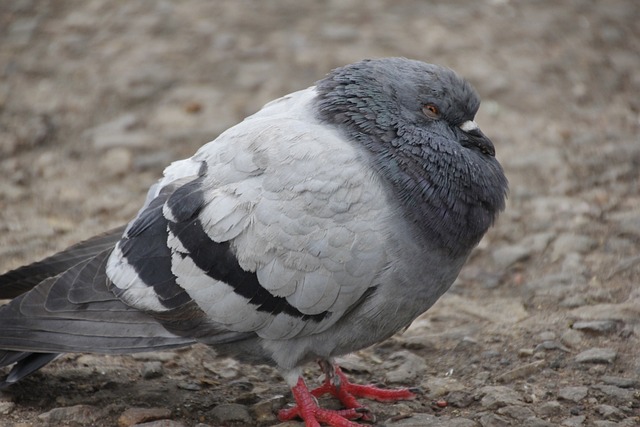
(299, 206)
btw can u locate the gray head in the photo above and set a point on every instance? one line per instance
(416, 120)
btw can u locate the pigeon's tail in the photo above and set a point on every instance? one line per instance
(63, 304)
(17, 282)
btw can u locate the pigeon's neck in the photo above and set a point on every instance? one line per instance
(449, 196)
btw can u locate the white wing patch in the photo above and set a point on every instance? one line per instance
(136, 293)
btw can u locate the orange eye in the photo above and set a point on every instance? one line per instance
(431, 111)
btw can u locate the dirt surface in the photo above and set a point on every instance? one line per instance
(543, 326)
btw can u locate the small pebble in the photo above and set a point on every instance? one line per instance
(410, 368)
(610, 412)
(522, 371)
(421, 420)
(494, 397)
(597, 355)
(493, 420)
(620, 382)
(161, 423)
(516, 412)
(134, 416)
(74, 415)
(506, 256)
(460, 399)
(265, 410)
(231, 412)
(620, 394)
(6, 407)
(537, 422)
(549, 409)
(596, 326)
(160, 356)
(189, 386)
(573, 394)
(577, 421)
(152, 370)
(571, 338)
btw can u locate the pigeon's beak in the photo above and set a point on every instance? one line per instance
(475, 137)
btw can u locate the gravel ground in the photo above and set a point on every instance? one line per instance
(541, 329)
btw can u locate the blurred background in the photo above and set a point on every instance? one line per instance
(97, 97)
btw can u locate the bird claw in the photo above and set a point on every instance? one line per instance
(338, 385)
(308, 409)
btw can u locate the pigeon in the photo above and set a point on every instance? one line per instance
(322, 224)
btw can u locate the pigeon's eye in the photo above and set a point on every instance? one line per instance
(431, 111)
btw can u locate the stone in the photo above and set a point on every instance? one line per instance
(597, 355)
(549, 409)
(493, 420)
(577, 421)
(505, 256)
(539, 241)
(117, 161)
(412, 366)
(537, 422)
(265, 410)
(290, 424)
(353, 362)
(595, 326)
(620, 381)
(422, 420)
(189, 386)
(226, 368)
(160, 356)
(460, 399)
(628, 310)
(6, 407)
(571, 338)
(569, 242)
(438, 387)
(74, 415)
(133, 416)
(231, 412)
(605, 423)
(494, 397)
(628, 222)
(573, 394)
(516, 412)
(547, 336)
(610, 412)
(523, 371)
(161, 423)
(152, 370)
(620, 394)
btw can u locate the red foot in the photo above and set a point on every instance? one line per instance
(307, 408)
(339, 386)
(346, 391)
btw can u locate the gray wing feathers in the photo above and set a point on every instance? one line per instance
(23, 279)
(75, 312)
(315, 240)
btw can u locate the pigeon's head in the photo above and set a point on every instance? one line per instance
(385, 97)
(417, 121)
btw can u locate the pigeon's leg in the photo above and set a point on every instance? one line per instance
(307, 408)
(337, 384)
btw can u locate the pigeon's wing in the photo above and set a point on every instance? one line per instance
(74, 311)
(280, 232)
(23, 279)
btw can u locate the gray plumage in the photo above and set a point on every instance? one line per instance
(322, 224)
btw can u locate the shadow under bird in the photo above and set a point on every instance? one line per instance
(322, 224)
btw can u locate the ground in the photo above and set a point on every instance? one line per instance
(542, 327)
